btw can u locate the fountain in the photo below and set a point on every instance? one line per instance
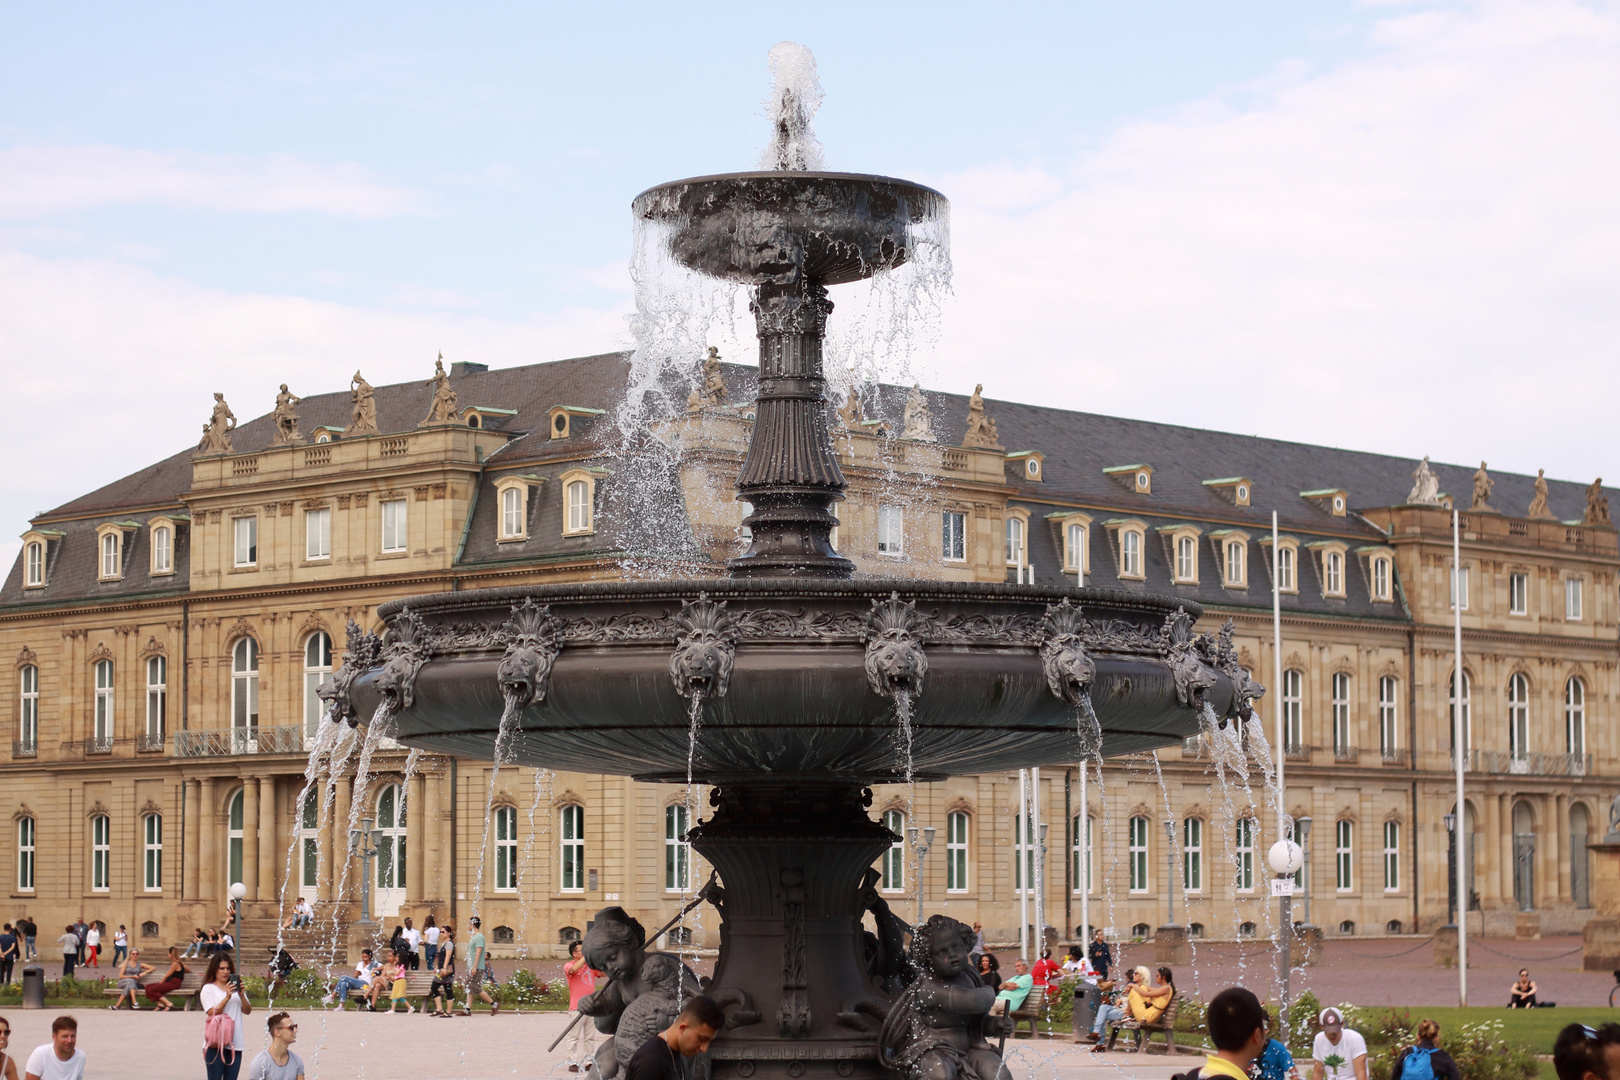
(793, 672)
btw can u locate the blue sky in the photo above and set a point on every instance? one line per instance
(1388, 225)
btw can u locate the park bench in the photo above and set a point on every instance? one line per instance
(190, 983)
(1030, 1011)
(1144, 1029)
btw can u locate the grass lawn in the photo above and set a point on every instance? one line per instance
(1536, 1029)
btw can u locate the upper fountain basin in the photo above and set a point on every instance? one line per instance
(774, 227)
(797, 679)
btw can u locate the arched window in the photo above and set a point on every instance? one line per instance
(1138, 852)
(503, 935)
(505, 849)
(1246, 929)
(893, 864)
(112, 550)
(1393, 927)
(1130, 553)
(28, 709)
(104, 704)
(1347, 927)
(1141, 931)
(1186, 558)
(25, 854)
(512, 500)
(1392, 856)
(309, 820)
(1519, 718)
(1192, 854)
(1381, 579)
(162, 550)
(1575, 720)
(1389, 742)
(1236, 562)
(1333, 574)
(1467, 710)
(157, 696)
(245, 684)
(233, 841)
(891, 530)
(391, 849)
(34, 563)
(1342, 740)
(1244, 855)
(150, 929)
(1074, 550)
(956, 851)
(573, 848)
(1080, 871)
(1293, 703)
(100, 853)
(1015, 541)
(677, 851)
(1195, 930)
(152, 851)
(579, 506)
(317, 669)
(1344, 855)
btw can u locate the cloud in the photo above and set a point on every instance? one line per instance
(38, 181)
(1416, 251)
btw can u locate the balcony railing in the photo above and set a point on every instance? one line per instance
(1346, 755)
(98, 744)
(1396, 758)
(149, 741)
(1496, 761)
(232, 742)
(28, 748)
(1298, 753)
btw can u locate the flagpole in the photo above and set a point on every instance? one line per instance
(1284, 903)
(1464, 737)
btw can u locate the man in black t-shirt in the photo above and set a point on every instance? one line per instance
(660, 1057)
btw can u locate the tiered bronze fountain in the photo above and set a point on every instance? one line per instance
(800, 670)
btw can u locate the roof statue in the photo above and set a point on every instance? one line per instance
(216, 436)
(443, 408)
(285, 418)
(712, 394)
(851, 413)
(981, 430)
(919, 423)
(1482, 491)
(1425, 485)
(1597, 504)
(1613, 836)
(364, 420)
(1538, 505)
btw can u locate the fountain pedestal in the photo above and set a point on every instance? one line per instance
(1600, 939)
(1170, 945)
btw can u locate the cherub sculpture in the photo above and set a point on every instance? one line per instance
(615, 945)
(939, 1029)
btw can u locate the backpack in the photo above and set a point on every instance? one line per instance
(219, 1034)
(1419, 1064)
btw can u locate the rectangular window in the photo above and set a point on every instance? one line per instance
(162, 550)
(309, 824)
(1285, 570)
(1293, 705)
(1392, 856)
(100, 853)
(1518, 594)
(1388, 713)
(677, 852)
(29, 709)
(1299, 875)
(111, 549)
(1024, 857)
(25, 854)
(1235, 567)
(956, 852)
(36, 563)
(893, 865)
(394, 536)
(1342, 856)
(1186, 558)
(1381, 583)
(573, 849)
(1139, 854)
(1572, 599)
(891, 531)
(1192, 855)
(152, 827)
(512, 500)
(505, 849)
(1074, 549)
(1341, 712)
(1130, 553)
(1333, 574)
(1459, 586)
(1080, 854)
(1015, 542)
(104, 701)
(579, 506)
(953, 536)
(1244, 857)
(157, 694)
(247, 541)
(318, 534)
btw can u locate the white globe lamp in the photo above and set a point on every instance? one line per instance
(238, 890)
(1286, 857)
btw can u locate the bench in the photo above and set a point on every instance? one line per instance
(1030, 1011)
(190, 983)
(1145, 1029)
(417, 986)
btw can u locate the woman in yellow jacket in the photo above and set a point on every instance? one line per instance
(1146, 1003)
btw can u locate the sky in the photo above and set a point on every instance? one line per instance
(1386, 226)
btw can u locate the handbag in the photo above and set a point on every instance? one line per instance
(219, 1033)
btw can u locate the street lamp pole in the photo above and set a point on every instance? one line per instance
(1451, 869)
(238, 892)
(1302, 827)
(362, 842)
(1170, 861)
(921, 846)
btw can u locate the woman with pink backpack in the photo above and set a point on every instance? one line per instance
(224, 1003)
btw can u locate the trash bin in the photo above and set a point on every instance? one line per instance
(33, 986)
(1087, 1000)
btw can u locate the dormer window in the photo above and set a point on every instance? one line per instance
(1129, 537)
(512, 503)
(1331, 556)
(1335, 501)
(1234, 489)
(579, 502)
(1284, 562)
(1380, 578)
(162, 547)
(34, 564)
(474, 420)
(1234, 551)
(512, 512)
(1138, 478)
(1029, 464)
(559, 426)
(1076, 543)
(1183, 541)
(110, 550)
(1379, 564)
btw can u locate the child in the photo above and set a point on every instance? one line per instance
(396, 993)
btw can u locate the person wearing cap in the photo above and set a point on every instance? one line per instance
(1588, 1053)
(1338, 1052)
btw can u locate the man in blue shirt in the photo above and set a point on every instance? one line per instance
(1102, 957)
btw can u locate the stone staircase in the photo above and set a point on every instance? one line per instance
(314, 947)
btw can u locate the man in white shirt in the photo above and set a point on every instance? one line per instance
(59, 1059)
(1338, 1052)
(414, 937)
(347, 984)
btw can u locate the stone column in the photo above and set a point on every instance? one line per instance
(340, 835)
(447, 825)
(271, 850)
(1557, 866)
(1600, 939)
(190, 855)
(208, 869)
(416, 831)
(1490, 884)
(250, 836)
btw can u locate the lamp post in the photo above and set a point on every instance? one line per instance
(1040, 890)
(362, 842)
(1302, 827)
(1170, 861)
(1451, 869)
(1285, 858)
(238, 891)
(921, 848)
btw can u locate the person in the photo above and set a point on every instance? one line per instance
(281, 965)
(1523, 993)
(1587, 1053)
(1147, 1003)
(1275, 1062)
(1426, 1061)
(1045, 969)
(222, 995)
(92, 945)
(1075, 963)
(226, 943)
(443, 990)
(978, 943)
(989, 969)
(688, 1035)
(70, 952)
(396, 942)
(364, 972)
(1014, 991)
(8, 1064)
(30, 932)
(1102, 957)
(394, 978)
(120, 944)
(172, 978)
(198, 940)
(1240, 1030)
(303, 915)
(277, 1061)
(130, 974)
(413, 939)
(81, 928)
(477, 958)
(581, 981)
(430, 939)
(10, 949)
(61, 1058)
(1338, 1052)
(382, 981)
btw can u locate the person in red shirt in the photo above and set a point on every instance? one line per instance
(581, 981)
(1046, 969)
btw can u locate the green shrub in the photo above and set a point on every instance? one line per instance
(524, 988)
(1190, 1014)
(1302, 1023)
(1479, 1049)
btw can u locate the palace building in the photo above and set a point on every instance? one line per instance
(168, 633)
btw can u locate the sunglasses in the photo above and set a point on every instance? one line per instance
(288, 1027)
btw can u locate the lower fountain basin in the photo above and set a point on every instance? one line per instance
(796, 697)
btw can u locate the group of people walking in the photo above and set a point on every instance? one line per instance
(374, 978)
